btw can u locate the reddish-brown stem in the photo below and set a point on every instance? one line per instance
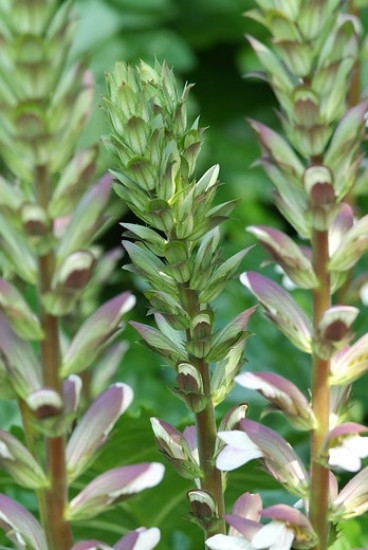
(319, 499)
(53, 500)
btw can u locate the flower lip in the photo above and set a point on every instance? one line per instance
(346, 448)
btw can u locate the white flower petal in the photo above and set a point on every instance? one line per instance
(225, 542)
(232, 457)
(140, 539)
(273, 536)
(357, 445)
(238, 439)
(342, 457)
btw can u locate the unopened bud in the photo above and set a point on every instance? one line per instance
(190, 387)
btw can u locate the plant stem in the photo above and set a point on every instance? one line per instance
(206, 426)
(319, 499)
(207, 435)
(52, 500)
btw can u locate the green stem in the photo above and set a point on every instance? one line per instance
(53, 500)
(206, 428)
(319, 499)
(207, 436)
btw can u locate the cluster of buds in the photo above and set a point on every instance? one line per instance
(50, 212)
(178, 254)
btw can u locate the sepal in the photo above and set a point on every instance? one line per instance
(281, 309)
(72, 183)
(111, 487)
(283, 396)
(200, 334)
(149, 266)
(21, 465)
(17, 251)
(203, 509)
(222, 380)
(228, 337)
(273, 65)
(151, 238)
(179, 448)
(25, 323)
(190, 387)
(221, 275)
(352, 500)
(15, 353)
(318, 182)
(94, 333)
(106, 367)
(232, 418)
(349, 363)
(45, 403)
(287, 254)
(85, 219)
(333, 331)
(94, 427)
(154, 339)
(169, 308)
(278, 151)
(353, 244)
(20, 526)
(69, 281)
(54, 416)
(344, 149)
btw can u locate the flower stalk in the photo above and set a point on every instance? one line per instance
(52, 500)
(314, 172)
(211, 480)
(320, 388)
(177, 252)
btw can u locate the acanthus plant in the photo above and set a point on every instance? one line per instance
(313, 170)
(50, 212)
(177, 251)
(315, 48)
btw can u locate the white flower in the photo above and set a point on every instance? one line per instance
(226, 542)
(273, 536)
(348, 454)
(239, 450)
